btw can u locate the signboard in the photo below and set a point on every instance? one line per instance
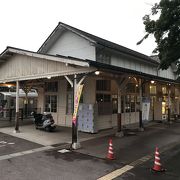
(76, 103)
(145, 109)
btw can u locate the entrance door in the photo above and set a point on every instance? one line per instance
(152, 104)
(51, 105)
(129, 104)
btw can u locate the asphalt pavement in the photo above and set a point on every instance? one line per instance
(90, 162)
(170, 161)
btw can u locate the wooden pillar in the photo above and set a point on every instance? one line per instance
(17, 108)
(119, 111)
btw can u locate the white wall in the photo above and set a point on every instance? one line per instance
(70, 44)
(134, 64)
(167, 73)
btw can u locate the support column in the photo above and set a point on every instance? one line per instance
(119, 122)
(75, 143)
(75, 85)
(17, 108)
(169, 101)
(140, 108)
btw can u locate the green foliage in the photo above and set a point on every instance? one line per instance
(166, 30)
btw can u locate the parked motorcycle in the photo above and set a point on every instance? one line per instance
(44, 121)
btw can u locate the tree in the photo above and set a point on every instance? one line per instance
(166, 30)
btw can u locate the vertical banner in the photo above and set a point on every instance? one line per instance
(76, 103)
(145, 109)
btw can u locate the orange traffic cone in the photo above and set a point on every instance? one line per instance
(110, 154)
(157, 165)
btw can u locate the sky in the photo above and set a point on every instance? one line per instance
(26, 24)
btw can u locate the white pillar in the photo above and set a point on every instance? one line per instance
(17, 108)
(119, 132)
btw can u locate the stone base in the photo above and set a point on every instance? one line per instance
(76, 145)
(16, 131)
(119, 134)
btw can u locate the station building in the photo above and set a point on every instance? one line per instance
(117, 80)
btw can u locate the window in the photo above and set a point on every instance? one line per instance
(132, 88)
(103, 58)
(114, 103)
(103, 85)
(50, 103)
(51, 86)
(152, 89)
(129, 103)
(69, 107)
(164, 90)
(103, 97)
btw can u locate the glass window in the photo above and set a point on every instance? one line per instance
(152, 89)
(164, 90)
(128, 103)
(114, 105)
(69, 107)
(50, 103)
(132, 88)
(103, 85)
(51, 86)
(103, 97)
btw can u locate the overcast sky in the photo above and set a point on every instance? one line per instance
(26, 24)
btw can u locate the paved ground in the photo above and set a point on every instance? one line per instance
(132, 147)
(169, 159)
(10, 144)
(61, 134)
(52, 165)
(35, 162)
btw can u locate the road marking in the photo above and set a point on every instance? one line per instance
(2, 145)
(63, 151)
(158, 128)
(141, 160)
(11, 143)
(116, 173)
(9, 156)
(126, 168)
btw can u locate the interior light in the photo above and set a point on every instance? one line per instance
(97, 72)
(49, 77)
(152, 82)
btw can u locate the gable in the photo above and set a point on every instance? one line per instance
(71, 44)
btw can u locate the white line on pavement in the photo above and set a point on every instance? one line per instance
(9, 156)
(116, 173)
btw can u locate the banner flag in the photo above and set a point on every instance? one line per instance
(76, 103)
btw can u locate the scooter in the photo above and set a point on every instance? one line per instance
(44, 121)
